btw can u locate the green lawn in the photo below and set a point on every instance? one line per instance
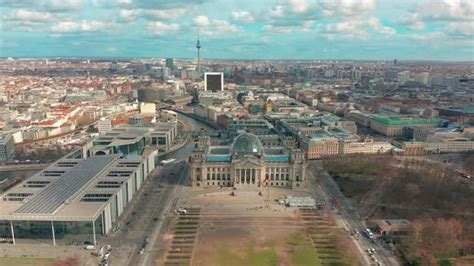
(303, 252)
(250, 258)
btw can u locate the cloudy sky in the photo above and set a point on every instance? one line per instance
(246, 29)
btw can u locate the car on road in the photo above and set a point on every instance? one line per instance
(368, 233)
(181, 211)
(142, 250)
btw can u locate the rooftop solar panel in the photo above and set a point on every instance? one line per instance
(49, 200)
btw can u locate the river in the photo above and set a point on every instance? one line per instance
(182, 153)
(185, 152)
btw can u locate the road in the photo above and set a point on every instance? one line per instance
(146, 215)
(172, 176)
(153, 250)
(326, 185)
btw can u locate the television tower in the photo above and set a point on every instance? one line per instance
(198, 46)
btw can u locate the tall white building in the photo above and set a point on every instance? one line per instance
(452, 82)
(356, 75)
(148, 108)
(403, 76)
(437, 79)
(423, 78)
(104, 125)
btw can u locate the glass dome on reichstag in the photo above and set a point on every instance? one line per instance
(247, 144)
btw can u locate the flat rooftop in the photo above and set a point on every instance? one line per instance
(404, 121)
(319, 136)
(69, 189)
(49, 200)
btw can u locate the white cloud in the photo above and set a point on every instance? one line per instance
(299, 6)
(344, 26)
(354, 29)
(22, 25)
(457, 17)
(265, 40)
(65, 26)
(160, 28)
(416, 25)
(413, 22)
(377, 26)
(462, 29)
(243, 16)
(128, 15)
(304, 26)
(65, 4)
(124, 2)
(84, 26)
(276, 11)
(168, 14)
(349, 29)
(29, 15)
(442, 10)
(307, 25)
(279, 29)
(222, 26)
(218, 27)
(348, 8)
(425, 36)
(201, 21)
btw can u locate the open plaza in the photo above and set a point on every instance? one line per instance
(248, 226)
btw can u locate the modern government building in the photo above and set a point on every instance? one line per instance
(81, 196)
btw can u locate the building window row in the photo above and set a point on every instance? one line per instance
(218, 169)
(277, 170)
(218, 176)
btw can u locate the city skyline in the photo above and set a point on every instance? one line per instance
(295, 29)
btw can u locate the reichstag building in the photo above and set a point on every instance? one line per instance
(247, 162)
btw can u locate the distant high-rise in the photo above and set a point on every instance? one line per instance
(166, 72)
(394, 62)
(214, 81)
(170, 63)
(7, 147)
(198, 46)
(104, 125)
(452, 82)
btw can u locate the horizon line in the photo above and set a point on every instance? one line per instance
(235, 59)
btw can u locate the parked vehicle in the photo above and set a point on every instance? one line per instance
(181, 211)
